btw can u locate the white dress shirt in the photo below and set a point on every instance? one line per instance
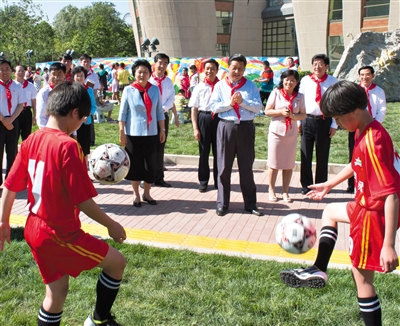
(201, 97)
(17, 97)
(377, 100)
(41, 101)
(308, 88)
(168, 93)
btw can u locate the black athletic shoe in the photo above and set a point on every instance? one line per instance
(311, 277)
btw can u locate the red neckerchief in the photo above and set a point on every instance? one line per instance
(86, 86)
(24, 85)
(146, 99)
(233, 88)
(8, 93)
(212, 84)
(318, 95)
(367, 89)
(51, 85)
(68, 76)
(159, 81)
(288, 98)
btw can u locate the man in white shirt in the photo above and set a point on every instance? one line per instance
(12, 99)
(376, 107)
(25, 119)
(315, 129)
(167, 91)
(205, 124)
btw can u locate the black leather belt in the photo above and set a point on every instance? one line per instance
(315, 117)
(242, 122)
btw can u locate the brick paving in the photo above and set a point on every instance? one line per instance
(182, 209)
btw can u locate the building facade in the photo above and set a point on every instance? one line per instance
(268, 28)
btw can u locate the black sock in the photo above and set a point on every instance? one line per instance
(48, 319)
(327, 241)
(371, 311)
(107, 290)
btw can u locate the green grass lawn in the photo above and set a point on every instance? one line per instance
(173, 287)
(181, 140)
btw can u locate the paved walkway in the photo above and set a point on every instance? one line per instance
(186, 218)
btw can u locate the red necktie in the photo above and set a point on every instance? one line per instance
(146, 99)
(159, 81)
(68, 76)
(288, 98)
(233, 88)
(24, 85)
(8, 93)
(318, 95)
(212, 84)
(367, 89)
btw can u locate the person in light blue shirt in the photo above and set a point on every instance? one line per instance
(140, 112)
(236, 100)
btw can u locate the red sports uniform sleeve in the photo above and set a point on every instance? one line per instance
(373, 164)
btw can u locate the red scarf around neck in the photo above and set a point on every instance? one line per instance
(8, 93)
(367, 89)
(212, 84)
(159, 81)
(146, 99)
(233, 89)
(318, 95)
(288, 98)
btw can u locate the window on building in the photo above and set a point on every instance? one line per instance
(335, 50)
(375, 8)
(335, 10)
(224, 21)
(279, 39)
(223, 50)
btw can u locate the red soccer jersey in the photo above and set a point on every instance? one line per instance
(52, 165)
(373, 166)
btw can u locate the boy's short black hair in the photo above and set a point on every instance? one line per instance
(238, 58)
(45, 69)
(367, 67)
(85, 56)
(77, 70)
(266, 63)
(101, 66)
(58, 66)
(193, 67)
(342, 98)
(5, 61)
(161, 56)
(181, 91)
(320, 56)
(140, 62)
(68, 96)
(213, 61)
(66, 56)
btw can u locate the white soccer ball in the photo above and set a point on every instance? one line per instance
(295, 234)
(109, 164)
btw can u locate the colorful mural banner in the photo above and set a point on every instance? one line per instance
(254, 66)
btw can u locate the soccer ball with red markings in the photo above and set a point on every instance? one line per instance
(295, 234)
(109, 164)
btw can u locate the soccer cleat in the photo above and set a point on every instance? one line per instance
(304, 277)
(110, 321)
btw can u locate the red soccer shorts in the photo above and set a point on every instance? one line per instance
(367, 232)
(58, 255)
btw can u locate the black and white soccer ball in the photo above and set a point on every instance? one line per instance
(109, 164)
(295, 233)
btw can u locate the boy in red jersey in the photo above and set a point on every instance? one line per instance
(374, 213)
(48, 164)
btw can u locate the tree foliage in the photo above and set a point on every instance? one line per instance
(97, 30)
